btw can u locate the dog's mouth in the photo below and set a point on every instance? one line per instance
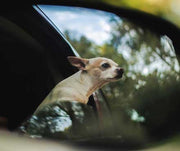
(117, 77)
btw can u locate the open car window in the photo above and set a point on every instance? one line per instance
(144, 105)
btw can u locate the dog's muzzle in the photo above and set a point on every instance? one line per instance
(120, 72)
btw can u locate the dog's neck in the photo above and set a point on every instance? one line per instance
(78, 87)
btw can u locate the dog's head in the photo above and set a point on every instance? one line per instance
(100, 68)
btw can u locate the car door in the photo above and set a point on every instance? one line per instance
(141, 109)
(136, 109)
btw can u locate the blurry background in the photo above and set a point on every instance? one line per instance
(143, 106)
(145, 103)
(167, 9)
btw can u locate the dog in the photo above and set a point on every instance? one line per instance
(93, 74)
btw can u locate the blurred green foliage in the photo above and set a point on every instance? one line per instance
(143, 105)
(167, 9)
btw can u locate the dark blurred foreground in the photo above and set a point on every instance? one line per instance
(14, 142)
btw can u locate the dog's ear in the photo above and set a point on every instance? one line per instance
(78, 62)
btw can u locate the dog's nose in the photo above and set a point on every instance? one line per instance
(120, 71)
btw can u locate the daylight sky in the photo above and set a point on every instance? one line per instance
(95, 25)
(80, 21)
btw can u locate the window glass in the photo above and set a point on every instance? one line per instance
(144, 105)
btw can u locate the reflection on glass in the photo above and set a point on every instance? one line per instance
(78, 21)
(65, 120)
(145, 104)
(50, 120)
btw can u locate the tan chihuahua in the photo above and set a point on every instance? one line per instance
(93, 74)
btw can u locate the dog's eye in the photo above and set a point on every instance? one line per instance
(105, 65)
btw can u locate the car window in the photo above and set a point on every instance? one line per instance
(144, 105)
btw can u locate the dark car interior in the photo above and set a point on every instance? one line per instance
(29, 71)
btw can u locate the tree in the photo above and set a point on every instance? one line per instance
(146, 93)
